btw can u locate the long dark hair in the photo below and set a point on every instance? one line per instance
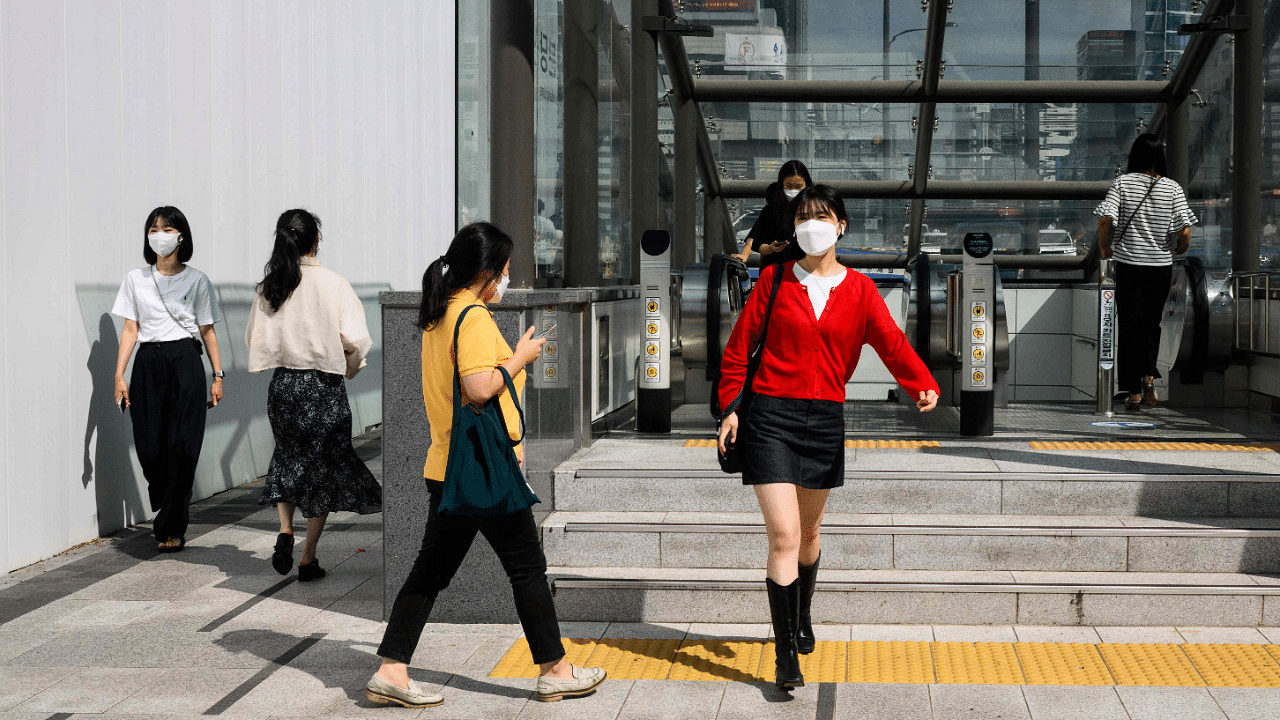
(791, 168)
(1147, 155)
(174, 218)
(478, 251)
(297, 234)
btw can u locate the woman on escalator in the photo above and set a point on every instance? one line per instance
(772, 235)
(1154, 224)
(793, 453)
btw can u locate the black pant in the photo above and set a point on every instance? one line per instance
(444, 545)
(167, 404)
(1141, 292)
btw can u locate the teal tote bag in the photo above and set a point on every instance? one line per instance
(483, 476)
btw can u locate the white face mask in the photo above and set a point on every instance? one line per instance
(163, 243)
(816, 236)
(790, 193)
(502, 287)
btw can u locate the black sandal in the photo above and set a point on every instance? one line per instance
(182, 542)
(310, 571)
(282, 558)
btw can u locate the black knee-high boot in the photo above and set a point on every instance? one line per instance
(784, 604)
(805, 641)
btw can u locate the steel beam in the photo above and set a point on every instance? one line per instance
(581, 144)
(645, 155)
(871, 261)
(1246, 205)
(1178, 141)
(512, 163)
(931, 75)
(941, 190)
(948, 91)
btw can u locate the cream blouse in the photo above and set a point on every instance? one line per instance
(321, 326)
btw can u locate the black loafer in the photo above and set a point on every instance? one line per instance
(282, 558)
(310, 571)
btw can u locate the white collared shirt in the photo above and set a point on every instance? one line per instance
(188, 296)
(321, 326)
(819, 287)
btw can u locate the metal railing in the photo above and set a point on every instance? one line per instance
(1252, 288)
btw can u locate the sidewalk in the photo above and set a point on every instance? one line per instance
(114, 630)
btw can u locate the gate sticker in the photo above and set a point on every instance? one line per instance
(979, 379)
(651, 329)
(651, 349)
(979, 332)
(651, 306)
(979, 356)
(550, 372)
(978, 311)
(549, 350)
(651, 372)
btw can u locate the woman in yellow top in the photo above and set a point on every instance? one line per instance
(474, 271)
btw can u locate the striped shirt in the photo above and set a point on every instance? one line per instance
(1146, 239)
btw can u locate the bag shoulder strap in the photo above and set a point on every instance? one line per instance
(154, 281)
(768, 312)
(457, 375)
(751, 357)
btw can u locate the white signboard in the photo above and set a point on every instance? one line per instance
(1107, 330)
(754, 49)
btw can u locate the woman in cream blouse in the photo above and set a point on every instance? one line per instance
(308, 324)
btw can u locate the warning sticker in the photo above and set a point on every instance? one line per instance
(652, 306)
(979, 332)
(979, 356)
(651, 349)
(978, 311)
(551, 372)
(651, 329)
(651, 372)
(978, 379)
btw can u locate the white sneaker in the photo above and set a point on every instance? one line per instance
(584, 682)
(382, 692)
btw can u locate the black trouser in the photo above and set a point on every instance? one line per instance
(444, 545)
(167, 404)
(1141, 292)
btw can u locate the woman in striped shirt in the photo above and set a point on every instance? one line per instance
(1153, 223)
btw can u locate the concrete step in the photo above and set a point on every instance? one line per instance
(923, 597)
(1167, 495)
(888, 542)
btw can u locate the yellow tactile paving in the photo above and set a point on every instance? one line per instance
(963, 663)
(922, 662)
(1062, 664)
(1234, 665)
(1138, 445)
(634, 659)
(890, 662)
(891, 444)
(700, 443)
(1147, 664)
(736, 660)
(518, 662)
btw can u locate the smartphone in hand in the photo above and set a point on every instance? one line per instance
(122, 405)
(547, 331)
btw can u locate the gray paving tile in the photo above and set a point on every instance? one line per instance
(1053, 702)
(109, 614)
(1223, 635)
(18, 684)
(471, 696)
(1271, 634)
(16, 642)
(583, 629)
(1169, 703)
(1124, 634)
(653, 630)
(718, 631)
(970, 702)
(604, 704)
(91, 690)
(447, 651)
(349, 616)
(129, 648)
(974, 633)
(289, 691)
(764, 701)
(1056, 634)
(245, 649)
(673, 700)
(882, 702)
(188, 691)
(890, 633)
(1248, 703)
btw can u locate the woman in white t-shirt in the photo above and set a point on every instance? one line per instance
(1152, 223)
(168, 309)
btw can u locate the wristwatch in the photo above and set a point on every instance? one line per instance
(219, 375)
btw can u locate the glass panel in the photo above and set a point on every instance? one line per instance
(1209, 191)
(473, 112)
(615, 142)
(548, 142)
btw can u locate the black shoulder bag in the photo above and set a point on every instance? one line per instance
(731, 460)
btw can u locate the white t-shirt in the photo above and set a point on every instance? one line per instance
(819, 287)
(188, 295)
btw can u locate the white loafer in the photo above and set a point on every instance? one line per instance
(584, 682)
(382, 692)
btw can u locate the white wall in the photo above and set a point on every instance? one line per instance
(232, 110)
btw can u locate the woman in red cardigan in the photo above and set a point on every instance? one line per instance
(793, 444)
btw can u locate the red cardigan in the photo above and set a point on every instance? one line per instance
(812, 359)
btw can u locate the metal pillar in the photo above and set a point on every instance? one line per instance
(890, 223)
(1246, 205)
(714, 213)
(1177, 141)
(511, 99)
(1106, 335)
(1031, 121)
(687, 119)
(644, 129)
(581, 143)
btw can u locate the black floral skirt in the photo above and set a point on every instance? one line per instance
(314, 465)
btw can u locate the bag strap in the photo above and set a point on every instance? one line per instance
(1134, 214)
(506, 377)
(764, 333)
(194, 335)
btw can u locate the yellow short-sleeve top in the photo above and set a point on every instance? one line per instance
(481, 348)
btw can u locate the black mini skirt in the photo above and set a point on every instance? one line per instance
(787, 440)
